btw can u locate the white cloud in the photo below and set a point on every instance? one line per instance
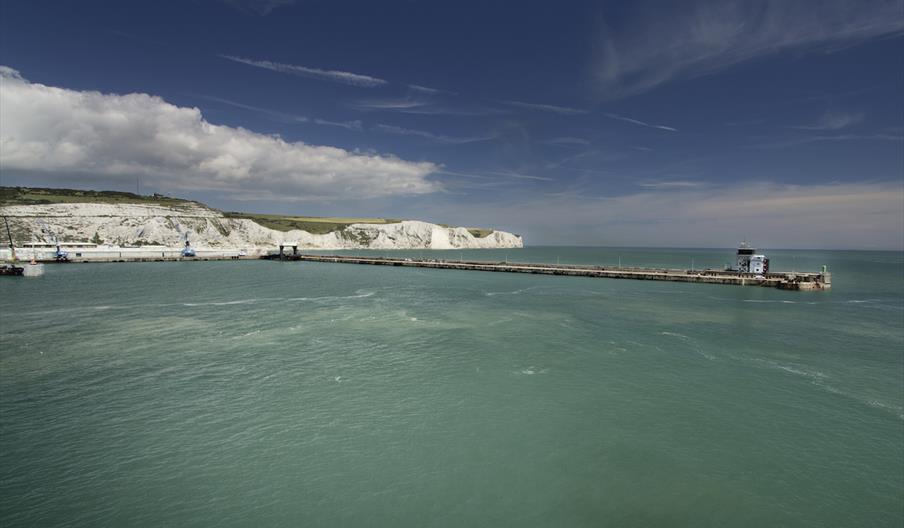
(66, 132)
(641, 123)
(699, 38)
(564, 110)
(354, 79)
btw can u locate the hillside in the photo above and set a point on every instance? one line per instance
(119, 218)
(317, 225)
(43, 196)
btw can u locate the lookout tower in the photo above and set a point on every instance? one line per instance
(751, 262)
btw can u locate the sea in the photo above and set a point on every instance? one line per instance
(259, 393)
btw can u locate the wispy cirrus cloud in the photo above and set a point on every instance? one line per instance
(389, 104)
(348, 125)
(286, 117)
(431, 91)
(439, 138)
(354, 79)
(833, 121)
(640, 123)
(745, 122)
(283, 117)
(521, 176)
(422, 106)
(260, 7)
(567, 141)
(596, 154)
(821, 139)
(487, 180)
(555, 109)
(691, 39)
(671, 184)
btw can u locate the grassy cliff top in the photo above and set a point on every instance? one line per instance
(311, 224)
(317, 225)
(39, 196)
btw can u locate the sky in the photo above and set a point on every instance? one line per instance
(689, 124)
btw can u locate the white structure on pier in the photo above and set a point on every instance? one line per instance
(751, 262)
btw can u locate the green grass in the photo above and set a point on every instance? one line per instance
(479, 232)
(317, 225)
(37, 196)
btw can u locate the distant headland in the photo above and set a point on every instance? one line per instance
(108, 219)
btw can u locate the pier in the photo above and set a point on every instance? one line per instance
(802, 281)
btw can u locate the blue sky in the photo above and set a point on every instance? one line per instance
(597, 123)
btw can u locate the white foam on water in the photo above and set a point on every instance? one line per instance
(327, 298)
(818, 378)
(797, 371)
(222, 303)
(882, 405)
(876, 304)
(876, 404)
(361, 294)
(691, 342)
(514, 292)
(77, 309)
(778, 301)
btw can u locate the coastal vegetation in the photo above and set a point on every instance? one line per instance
(39, 196)
(321, 225)
(318, 225)
(479, 232)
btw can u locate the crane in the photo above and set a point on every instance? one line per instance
(12, 247)
(59, 254)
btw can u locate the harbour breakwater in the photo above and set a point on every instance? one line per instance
(801, 281)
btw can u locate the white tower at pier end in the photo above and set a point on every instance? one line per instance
(751, 262)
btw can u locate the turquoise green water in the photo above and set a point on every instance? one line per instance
(306, 394)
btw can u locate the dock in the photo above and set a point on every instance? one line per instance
(800, 281)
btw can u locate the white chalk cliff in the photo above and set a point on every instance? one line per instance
(131, 224)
